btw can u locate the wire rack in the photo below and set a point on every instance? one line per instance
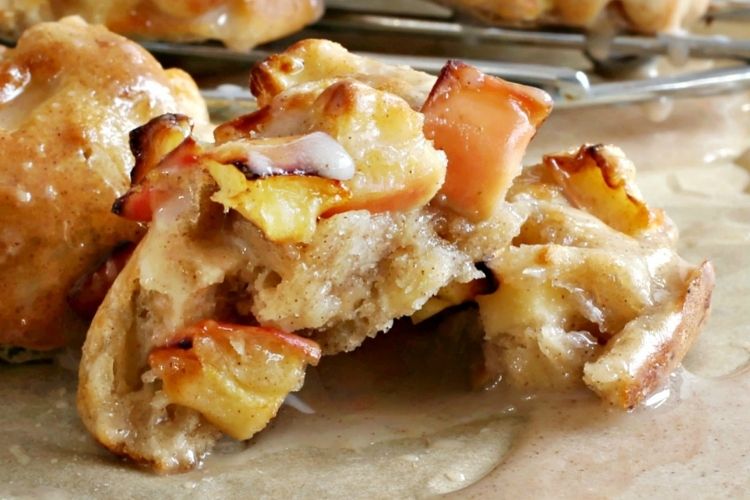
(576, 68)
(566, 63)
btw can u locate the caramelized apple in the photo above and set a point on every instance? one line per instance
(602, 182)
(397, 168)
(158, 182)
(286, 207)
(314, 60)
(236, 376)
(151, 142)
(484, 125)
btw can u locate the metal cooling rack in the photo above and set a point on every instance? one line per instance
(373, 24)
(434, 34)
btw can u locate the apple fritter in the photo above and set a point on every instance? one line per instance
(315, 222)
(69, 97)
(240, 24)
(310, 216)
(645, 16)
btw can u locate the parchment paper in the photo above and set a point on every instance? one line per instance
(383, 432)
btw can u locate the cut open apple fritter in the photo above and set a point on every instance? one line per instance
(315, 222)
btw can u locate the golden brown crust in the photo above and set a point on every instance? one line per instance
(312, 60)
(650, 16)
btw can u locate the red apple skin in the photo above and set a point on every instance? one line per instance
(484, 125)
(306, 349)
(157, 184)
(235, 376)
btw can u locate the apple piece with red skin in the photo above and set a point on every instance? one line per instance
(483, 124)
(154, 141)
(285, 207)
(159, 184)
(236, 376)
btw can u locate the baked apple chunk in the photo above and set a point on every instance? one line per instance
(397, 167)
(484, 125)
(235, 376)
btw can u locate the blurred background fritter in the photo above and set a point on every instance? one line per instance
(240, 24)
(69, 95)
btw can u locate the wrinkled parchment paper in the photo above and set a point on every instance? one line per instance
(363, 428)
